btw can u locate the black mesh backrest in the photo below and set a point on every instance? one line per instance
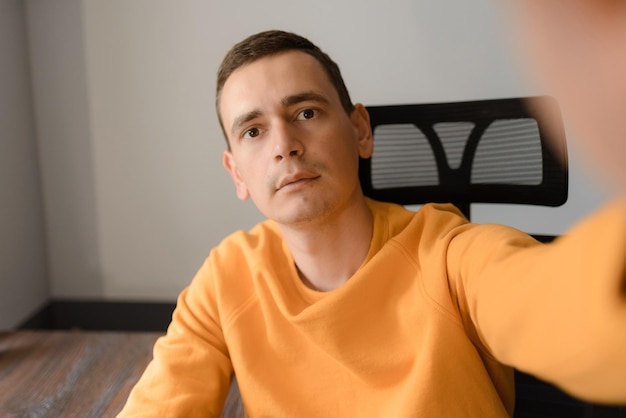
(490, 151)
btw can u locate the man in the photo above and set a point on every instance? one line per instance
(342, 306)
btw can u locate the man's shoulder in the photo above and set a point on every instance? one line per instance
(398, 217)
(262, 236)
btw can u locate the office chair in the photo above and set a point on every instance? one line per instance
(486, 151)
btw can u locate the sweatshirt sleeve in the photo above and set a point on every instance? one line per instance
(191, 371)
(557, 311)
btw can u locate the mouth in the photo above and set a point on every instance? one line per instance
(295, 182)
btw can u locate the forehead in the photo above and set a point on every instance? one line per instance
(268, 80)
(294, 65)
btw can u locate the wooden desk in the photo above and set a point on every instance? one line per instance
(70, 373)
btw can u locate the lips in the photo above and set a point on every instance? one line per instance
(295, 179)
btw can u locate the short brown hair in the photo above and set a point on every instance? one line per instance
(272, 42)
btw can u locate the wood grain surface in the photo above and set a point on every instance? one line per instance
(70, 373)
(77, 373)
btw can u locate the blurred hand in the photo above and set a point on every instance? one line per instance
(576, 50)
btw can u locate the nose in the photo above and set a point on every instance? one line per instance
(287, 144)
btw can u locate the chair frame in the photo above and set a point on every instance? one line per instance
(455, 186)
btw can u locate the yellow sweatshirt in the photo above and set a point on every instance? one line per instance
(423, 329)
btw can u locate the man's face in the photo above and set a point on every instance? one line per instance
(294, 150)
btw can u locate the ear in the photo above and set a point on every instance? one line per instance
(361, 121)
(231, 166)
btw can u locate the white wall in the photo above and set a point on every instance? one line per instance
(65, 137)
(131, 149)
(23, 287)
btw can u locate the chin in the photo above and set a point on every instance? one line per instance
(303, 213)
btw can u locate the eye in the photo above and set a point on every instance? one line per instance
(251, 133)
(307, 114)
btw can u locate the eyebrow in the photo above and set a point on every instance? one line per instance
(243, 119)
(308, 96)
(285, 102)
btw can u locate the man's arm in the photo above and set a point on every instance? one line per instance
(191, 371)
(557, 311)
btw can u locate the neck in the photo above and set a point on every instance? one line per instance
(328, 252)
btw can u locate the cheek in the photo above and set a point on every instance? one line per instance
(343, 160)
(256, 178)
